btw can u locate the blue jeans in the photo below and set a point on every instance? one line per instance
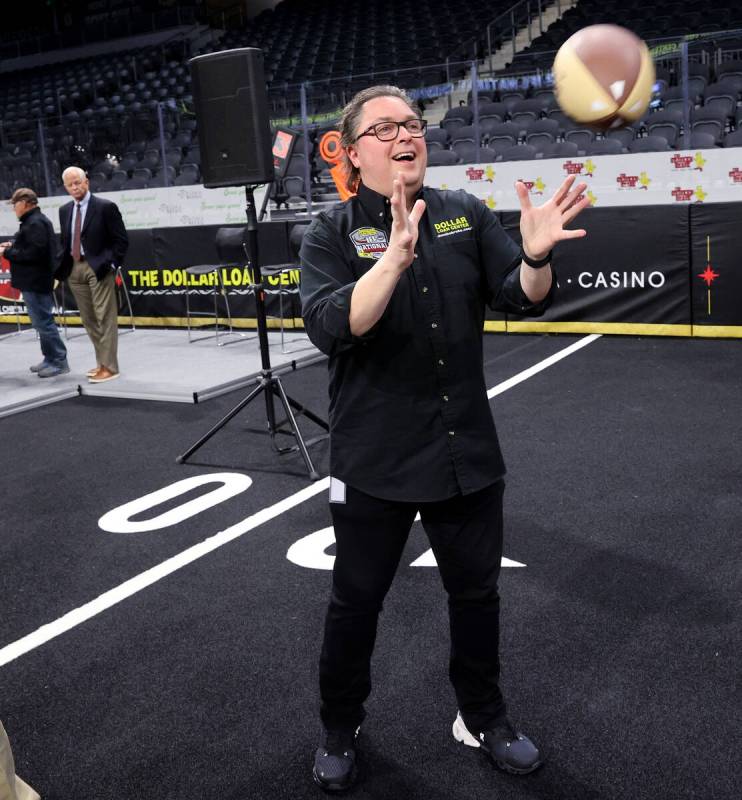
(39, 306)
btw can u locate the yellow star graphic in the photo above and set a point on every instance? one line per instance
(700, 161)
(489, 173)
(444, 186)
(539, 185)
(592, 198)
(490, 201)
(644, 179)
(700, 194)
(589, 167)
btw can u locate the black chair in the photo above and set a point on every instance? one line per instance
(469, 153)
(582, 137)
(559, 150)
(465, 133)
(701, 140)
(438, 137)
(733, 139)
(542, 132)
(623, 135)
(498, 110)
(504, 131)
(283, 280)
(605, 147)
(518, 152)
(118, 179)
(649, 144)
(442, 158)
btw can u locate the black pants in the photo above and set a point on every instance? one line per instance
(466, 536)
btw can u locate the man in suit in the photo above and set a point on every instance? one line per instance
(94, 243)
(33, 258)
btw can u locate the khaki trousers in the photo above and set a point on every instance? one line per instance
(11, 786)
(98, 306)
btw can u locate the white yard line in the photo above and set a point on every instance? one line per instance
(113, 596)
(536, 368)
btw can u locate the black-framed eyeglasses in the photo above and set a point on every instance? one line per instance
(387, 131)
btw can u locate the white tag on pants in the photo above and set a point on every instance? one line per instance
(337, 491)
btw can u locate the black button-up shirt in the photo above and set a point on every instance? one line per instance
(409, 414)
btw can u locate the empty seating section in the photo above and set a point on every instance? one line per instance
(710, 104)
(128, 118)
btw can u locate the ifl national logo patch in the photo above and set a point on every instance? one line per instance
(369, 242)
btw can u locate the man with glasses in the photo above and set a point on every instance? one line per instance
(33, 260)
(394, 286)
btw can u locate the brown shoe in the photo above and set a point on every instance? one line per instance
(102, 375)
(91, 373)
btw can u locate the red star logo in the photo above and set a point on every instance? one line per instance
(708, 275)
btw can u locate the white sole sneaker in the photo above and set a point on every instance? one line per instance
(461, 733)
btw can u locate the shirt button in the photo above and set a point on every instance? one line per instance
(434, 325)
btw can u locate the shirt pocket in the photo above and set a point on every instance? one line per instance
(456, 262)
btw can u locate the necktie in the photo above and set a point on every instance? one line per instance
(76, 234)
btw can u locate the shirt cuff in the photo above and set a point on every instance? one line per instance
(519, 300)
(337, 316)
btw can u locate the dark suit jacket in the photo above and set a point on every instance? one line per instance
(103, 236)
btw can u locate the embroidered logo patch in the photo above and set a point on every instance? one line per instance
(447, 227)
(369, 242)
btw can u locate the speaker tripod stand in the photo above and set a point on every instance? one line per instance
(269, 384)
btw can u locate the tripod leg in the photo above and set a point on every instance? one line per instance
(310, 415)
(278, 388)
(222, 422)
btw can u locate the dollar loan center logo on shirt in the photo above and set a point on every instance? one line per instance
(447, 227)
(369, 242)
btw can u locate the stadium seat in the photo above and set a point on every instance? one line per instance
(498, 110)
(468, 152)
(559, 150)
(733, 139)
(582, 137)
(605, 147)
(518, 152)
(622, 135)
(442, 158)
(503, 131)
(465, 133)
(649, 144)
(699, 139)
(541, 132)
(437, 137)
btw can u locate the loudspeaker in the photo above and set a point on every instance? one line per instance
(231, 105)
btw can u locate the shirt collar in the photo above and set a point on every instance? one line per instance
(84, 202)
(376, 205)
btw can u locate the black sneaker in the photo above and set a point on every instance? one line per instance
(335, 760)
(507, 749)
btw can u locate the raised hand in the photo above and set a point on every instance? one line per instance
(541, 227)
(404, 225)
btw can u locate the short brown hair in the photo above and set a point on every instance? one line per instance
(29, 195)
(349, 122)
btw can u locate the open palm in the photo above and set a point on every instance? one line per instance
(541, 227)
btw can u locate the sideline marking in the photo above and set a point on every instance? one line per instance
(547, 362)
(113, 596)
